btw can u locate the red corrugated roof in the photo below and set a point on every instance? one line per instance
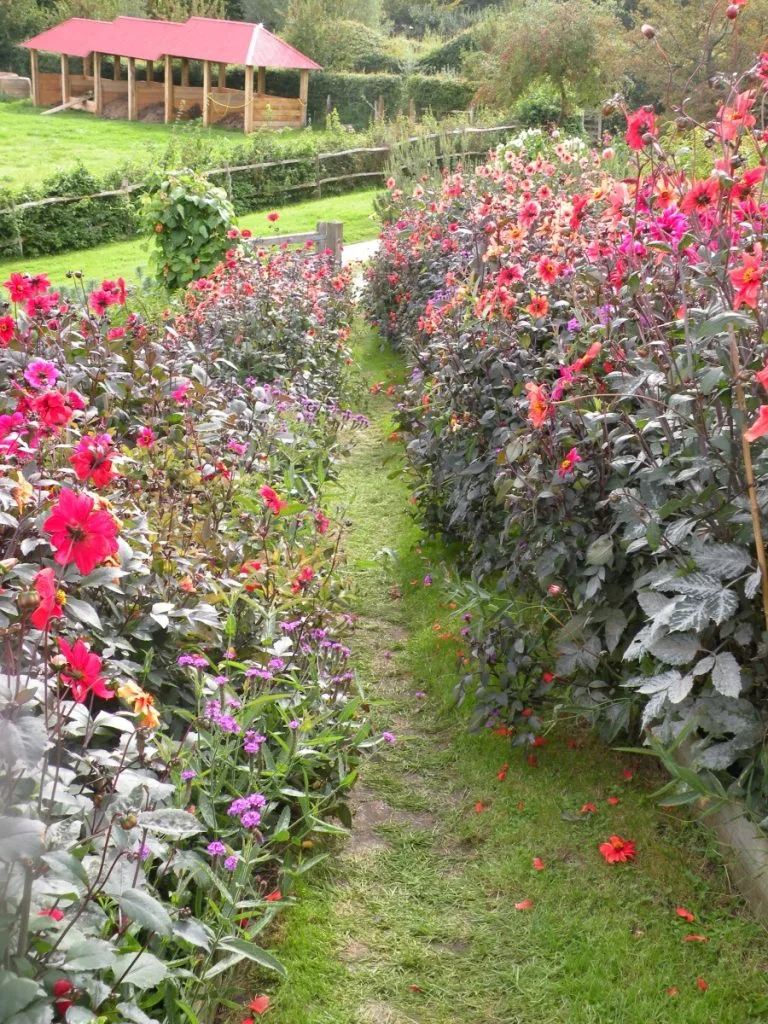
(225, 42)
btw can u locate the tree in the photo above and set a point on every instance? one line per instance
(694, 44)
(576, 45)
(19, 19)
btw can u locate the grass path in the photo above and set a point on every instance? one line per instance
(130, 260)
(413, 921)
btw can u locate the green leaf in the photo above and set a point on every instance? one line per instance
(255, 953)
(194, 932)
(132, 1013)
(146, 972)
(726, 675)
(176, 824)
(146, 911)
(90, 955)
(20, 837)
(17, 993)
(600, 551)
(83, 612)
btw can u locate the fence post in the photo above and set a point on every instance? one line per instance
(331, 237)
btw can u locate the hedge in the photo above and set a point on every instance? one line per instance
(448, 55)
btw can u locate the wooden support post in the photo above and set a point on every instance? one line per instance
(261, 87)
(248, 111)
(118, 69)
(150, 71)
(132, 109)
(303, 94)
(206, 93)
(66, 92)
(184, 71)
(168, 90)
(221, 78)
(331, 237)
(98, 93)
(34, 68)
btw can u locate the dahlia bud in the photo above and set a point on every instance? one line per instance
(128, 822)
(62, 987)
(609, 153)
(648, 31)
(732, 12)
(554, 589)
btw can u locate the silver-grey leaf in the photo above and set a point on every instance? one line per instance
(726, 675)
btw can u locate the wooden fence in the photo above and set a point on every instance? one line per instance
(329, 234)
(380, 154)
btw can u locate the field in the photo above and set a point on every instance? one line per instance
(130, 260)
(35, 147)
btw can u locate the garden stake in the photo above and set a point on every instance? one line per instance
(751, 489)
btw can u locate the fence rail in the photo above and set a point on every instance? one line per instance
(316, 183)
(328, 235)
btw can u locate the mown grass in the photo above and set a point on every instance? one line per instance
(131, 259)
(34, 147)
(425, 931)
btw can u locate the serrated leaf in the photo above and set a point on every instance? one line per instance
(253, 952)
(614, 626)
(651, 602)
(753, 583)
(677, 649)
(721, 605)
(171, 822)
(726, 675)
(694, 583)
(723, 560)
(680, 689)
(146, 911)
(23, 740)
(678, 531)
(641, 642)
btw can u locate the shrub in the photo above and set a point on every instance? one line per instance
(447, 55)
(180, 724)
(438, 94)
(190, 219)
(575, 421)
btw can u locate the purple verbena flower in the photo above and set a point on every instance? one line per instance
(216, 848)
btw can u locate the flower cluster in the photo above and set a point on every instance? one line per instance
(586, 335)
(161, 515)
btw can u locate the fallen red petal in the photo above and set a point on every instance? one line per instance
(702, 984)
(685, 914)
(627, 774)
(479, 806)
(672, 991)
(613, 800)
(588, 809)
(415, 988)
(538, 863)
(695, 938)
(524, 905)
(259, 1004)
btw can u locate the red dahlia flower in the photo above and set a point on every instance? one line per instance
(748, 279)
(618, 850)
(7, 328)
(642, 122)
(92, 459)
(81, 673)
(273, 502)
(80, 532)
(53, 408)
(51, 599)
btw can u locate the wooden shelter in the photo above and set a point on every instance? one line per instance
(215, 43)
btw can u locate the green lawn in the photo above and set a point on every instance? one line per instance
(416, 920)
(131, 259)
(33, 147)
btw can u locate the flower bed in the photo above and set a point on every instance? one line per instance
(583, 416)
(180, 723)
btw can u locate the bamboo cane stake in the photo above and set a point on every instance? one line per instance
(750, 475)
